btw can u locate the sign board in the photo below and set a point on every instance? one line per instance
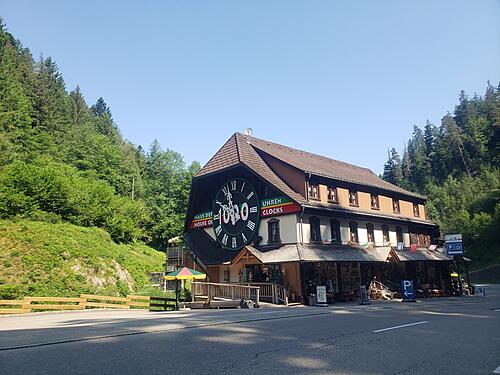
(408, 291)
(400, 246)
(269, 207)
(321, 296)
(454, 244)
(480, 290)
(365, 300)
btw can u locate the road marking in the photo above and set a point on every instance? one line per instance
(496, 309)
(497, 370)
(402, 326)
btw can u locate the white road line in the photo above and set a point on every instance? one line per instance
(497, 370)
(402, 326)
(496, 310)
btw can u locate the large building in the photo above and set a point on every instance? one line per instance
(262, 212)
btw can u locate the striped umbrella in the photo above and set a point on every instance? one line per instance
(185, 274)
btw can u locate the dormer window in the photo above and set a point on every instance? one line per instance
(374, 201)
(353, 198)
(416, 211)
(395, 206)
(313, 191)
(332, 195)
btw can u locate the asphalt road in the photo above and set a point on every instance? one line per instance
(435, 336)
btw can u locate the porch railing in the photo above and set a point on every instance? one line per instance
(273, 292)
(230, 291)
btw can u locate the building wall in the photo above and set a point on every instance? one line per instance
(362, 231)
(364, 201)
(288, 229)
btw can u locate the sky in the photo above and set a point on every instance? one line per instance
(343, 79)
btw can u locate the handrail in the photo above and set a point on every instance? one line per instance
(220, 290)
(276, 292)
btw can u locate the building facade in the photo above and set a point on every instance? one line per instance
(262, 212)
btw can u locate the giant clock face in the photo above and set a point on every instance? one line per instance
(236, 214)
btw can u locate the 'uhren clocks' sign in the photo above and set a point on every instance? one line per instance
(236, 213)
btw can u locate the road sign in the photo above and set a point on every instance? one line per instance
(321, 296)
(408, 291)
(454, 244)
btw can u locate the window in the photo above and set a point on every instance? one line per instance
(315, 230)
(399, 234)
(416, 211)
(313, 191)
(370, 232)
(353, 198)
(385, 234)
(335, 228)
(374, 200)
(395, 206)
(273, 231)
(353, 228)
(332, 195)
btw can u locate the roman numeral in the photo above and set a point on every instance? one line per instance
(233, 185)
(234, 242)
(225, 190)
(242, 186)
(218, 230)
(253, 209)
(251, 225)
(243, 238)
(250, 195)
(216, 217)
(224, 239)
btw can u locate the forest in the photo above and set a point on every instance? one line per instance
(456, 165)
(64, 160)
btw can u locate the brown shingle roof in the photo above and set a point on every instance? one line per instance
(244, 149)
(237, 150)
(325, 167)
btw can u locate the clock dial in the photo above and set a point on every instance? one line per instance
(235, 214)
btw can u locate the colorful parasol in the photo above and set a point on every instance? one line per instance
(185, 274)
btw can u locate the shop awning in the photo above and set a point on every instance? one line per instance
(421, 254)
(320, 253)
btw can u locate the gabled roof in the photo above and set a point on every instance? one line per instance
(239, 151)
(326, 167)
(247, 150)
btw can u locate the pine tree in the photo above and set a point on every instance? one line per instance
(80, 111)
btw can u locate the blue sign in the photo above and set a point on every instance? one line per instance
(454, 248)
(454, 244)
(408, 291)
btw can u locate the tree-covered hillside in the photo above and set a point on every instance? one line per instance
(456, 164)
(62, 160)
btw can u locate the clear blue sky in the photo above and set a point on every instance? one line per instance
(343, 79)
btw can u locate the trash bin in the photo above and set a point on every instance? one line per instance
(312, 299)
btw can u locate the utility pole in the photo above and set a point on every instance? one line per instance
(133, 187)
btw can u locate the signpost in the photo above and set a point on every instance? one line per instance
(454, 244)
(408, 291)
(321, 296)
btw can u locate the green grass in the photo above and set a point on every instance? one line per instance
(46, 259)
